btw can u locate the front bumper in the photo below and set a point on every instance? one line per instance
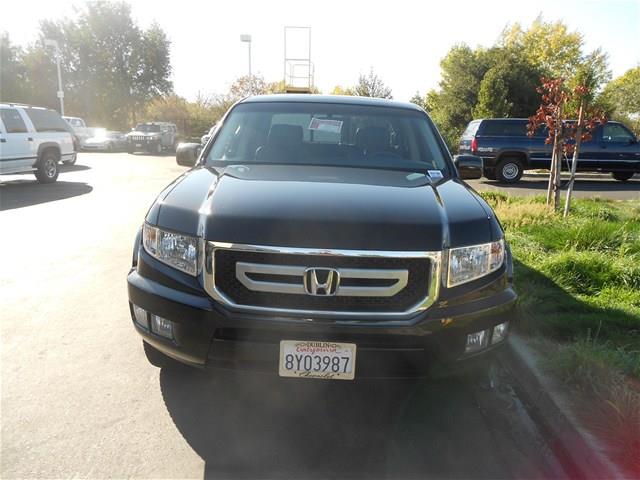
(95, 146)
(209, 334)
(148, 146)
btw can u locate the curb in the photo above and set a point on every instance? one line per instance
(579, 452)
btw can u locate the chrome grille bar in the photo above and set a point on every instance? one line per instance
(434, 276)
(400, 277)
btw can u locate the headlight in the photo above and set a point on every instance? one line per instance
(175, 249)
(469, 263)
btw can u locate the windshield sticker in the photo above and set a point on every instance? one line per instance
(435, 174)
(325, 125)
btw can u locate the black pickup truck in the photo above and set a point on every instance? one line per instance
(322, 237)
(507, 151)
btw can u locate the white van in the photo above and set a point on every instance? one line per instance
(34, 139)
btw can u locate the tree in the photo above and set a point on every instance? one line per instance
(12, 71)
(338, 90)
(372, 86)
(501, 81)
(111, 67)
(621, 98)
(459, 96)
(549, 45)
(493, 96)
(565, 136)
(419, 100)
(508, 88)
(451, 105)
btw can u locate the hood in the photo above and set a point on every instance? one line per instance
(324, 207)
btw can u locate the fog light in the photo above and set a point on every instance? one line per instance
(161, 326)
(140, 314)
(499, 332)
(477, 341)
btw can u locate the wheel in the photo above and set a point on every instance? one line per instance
(159, 148)
(509, 170)
(489, 173)
(159, 359)
(48, 171)
(622, 176)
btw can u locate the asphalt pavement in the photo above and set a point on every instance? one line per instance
(587, 185)
(79, 399)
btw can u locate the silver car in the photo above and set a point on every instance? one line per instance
(105, 140)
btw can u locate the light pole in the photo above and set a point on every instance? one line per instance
(52, 43)
(247, 39)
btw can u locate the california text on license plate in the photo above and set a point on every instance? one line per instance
(325, 360)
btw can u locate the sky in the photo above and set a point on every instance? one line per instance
(403, 41)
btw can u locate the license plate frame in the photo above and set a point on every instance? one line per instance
(308, 359)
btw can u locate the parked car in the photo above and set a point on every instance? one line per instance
(106, 140)
(507, 151)
(34, 139)
(152, 137)
(80, 129)
(322, 237)
(205, 138)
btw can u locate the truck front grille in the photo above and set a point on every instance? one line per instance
(365, 283)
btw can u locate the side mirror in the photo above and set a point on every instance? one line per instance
(187, 154)
(469, 166)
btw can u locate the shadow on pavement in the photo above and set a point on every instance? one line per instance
(74, 168)
(24, 193)
(259, 426)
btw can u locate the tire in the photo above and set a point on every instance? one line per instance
(110, 147)
(509, 170)
(158, 150)
(622, 176)
(47, 171)
(159, 359)
(489, 173)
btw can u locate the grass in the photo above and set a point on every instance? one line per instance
(578, 281)
(577, 275)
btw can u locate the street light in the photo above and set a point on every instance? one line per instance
(52, 43)
(247, 39)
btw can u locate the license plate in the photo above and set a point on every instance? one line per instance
(324, 360)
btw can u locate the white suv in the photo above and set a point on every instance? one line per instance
(34, 139)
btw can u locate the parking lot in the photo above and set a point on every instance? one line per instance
(80, 400)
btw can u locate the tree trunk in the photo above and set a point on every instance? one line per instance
(557, 166)
(576, 153)
(552, 169)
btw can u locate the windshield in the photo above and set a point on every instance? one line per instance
(143, 127)
(328, 134)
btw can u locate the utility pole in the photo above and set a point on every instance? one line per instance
(53, 43)
(247, 39)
